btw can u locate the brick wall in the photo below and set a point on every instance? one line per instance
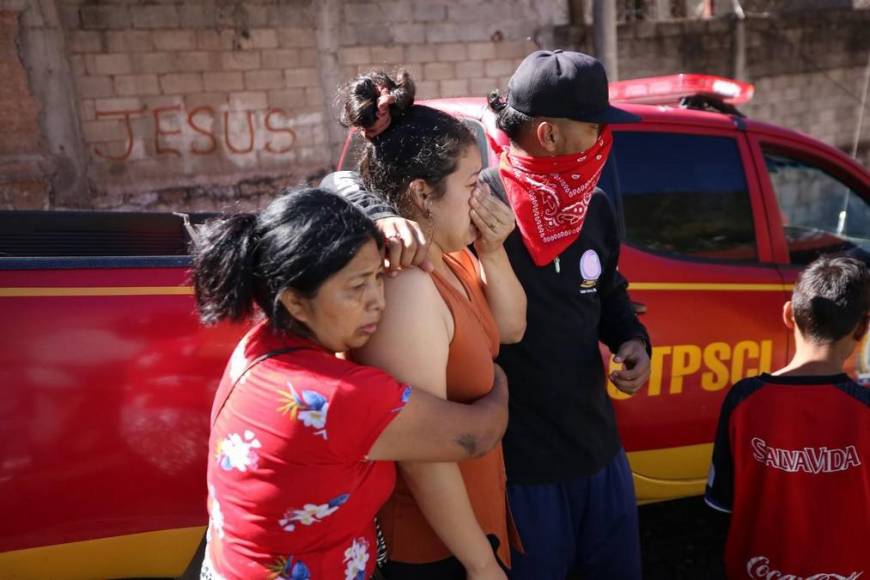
(451, 49)
(808, 67)
(22, 181)
(180, 102)
(823, 105)
(809, 72)
(179, 96)
(209, 104)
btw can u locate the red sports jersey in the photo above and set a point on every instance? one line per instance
(291, 493)
(789, 462)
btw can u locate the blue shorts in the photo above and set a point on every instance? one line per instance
(586, 526)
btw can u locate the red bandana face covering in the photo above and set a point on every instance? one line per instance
(550, 195)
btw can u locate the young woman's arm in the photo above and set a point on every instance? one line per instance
(412, 344)
(506, 297)
(433, 429)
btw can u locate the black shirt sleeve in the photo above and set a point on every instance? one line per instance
(618, 322)
(348, 185)
(719, 493)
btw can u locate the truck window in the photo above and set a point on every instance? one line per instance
(685, 195)
(480, 136)
(820, 214)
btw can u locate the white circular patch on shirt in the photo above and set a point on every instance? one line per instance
(590, 265)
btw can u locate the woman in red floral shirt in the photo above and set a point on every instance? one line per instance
(303, 443)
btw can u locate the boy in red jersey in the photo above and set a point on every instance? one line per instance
(791, 451)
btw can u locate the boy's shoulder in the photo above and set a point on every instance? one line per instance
(743, 389)
(855, 390)
(748, 385)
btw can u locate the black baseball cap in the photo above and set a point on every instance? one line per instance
(566, 85)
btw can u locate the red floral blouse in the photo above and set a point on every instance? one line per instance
(291, 493)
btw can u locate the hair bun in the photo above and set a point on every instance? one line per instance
(360, 98)
(495, 101)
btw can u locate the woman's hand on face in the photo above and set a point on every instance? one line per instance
(493, 219)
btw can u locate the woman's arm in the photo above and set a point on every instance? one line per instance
(412, 343)
(441, 496)
(506, 297)
(433, 429)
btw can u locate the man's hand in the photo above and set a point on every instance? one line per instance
(492, 218)
(406, 245)
(632, 354)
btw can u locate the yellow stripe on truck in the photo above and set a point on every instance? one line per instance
(188, 290)
(705, 287)
(162, 554)
(661, 474)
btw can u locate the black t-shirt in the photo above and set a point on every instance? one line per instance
(561, 422)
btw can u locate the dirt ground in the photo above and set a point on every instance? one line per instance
(682, 539)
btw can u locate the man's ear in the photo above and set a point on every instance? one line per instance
(297, 306)
(788, 315)
(548, 136)
(420, 193)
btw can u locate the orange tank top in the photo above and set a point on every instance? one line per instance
(475, 344)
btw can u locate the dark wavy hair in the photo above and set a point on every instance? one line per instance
(508, 119)
(420, 142)
(831, 297)
(296, 243)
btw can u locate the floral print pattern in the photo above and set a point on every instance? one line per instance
(355, 558)
(272, 438)
(311, 513)
(290, 568)
(310, 407)
(238, 451)
(215, 516)
(406, 395)
(238, 364)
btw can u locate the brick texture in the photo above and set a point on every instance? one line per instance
(18, 109)
(242, 81)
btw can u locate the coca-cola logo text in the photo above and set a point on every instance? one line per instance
(759, 567)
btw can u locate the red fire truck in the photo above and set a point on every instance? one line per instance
(108, 377)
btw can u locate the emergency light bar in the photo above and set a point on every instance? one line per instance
(671, 89)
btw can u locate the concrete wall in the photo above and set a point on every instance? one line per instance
(808, 67)
(210, 104)
(23, 180)
(178, 95)
(214, 104)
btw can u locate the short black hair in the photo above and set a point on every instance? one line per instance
(508, 119)
(830, 298)
(296, 243)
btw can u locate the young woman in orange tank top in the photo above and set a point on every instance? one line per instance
(441, 330)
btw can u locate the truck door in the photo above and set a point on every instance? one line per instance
(698, 258)
(821, 205)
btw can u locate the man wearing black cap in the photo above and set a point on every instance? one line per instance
(570, 487)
